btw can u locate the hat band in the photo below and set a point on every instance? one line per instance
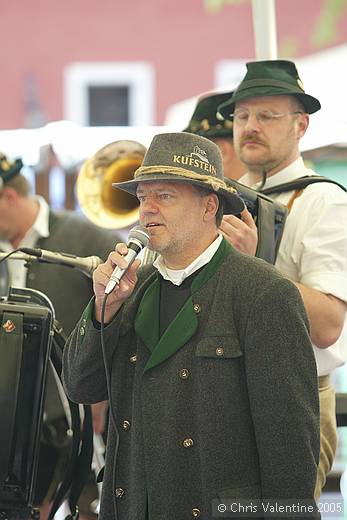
(215, 183)
(207, 126)
(266, 82)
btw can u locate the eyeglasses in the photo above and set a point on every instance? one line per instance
(264, 117)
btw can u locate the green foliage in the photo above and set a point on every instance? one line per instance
(326, 29)
(288, 47)
(213, 6)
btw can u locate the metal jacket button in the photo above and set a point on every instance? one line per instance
(197, 308)
(188, 443)
(220, 351)
(184, 373)
(120, 492)
(126, 425)
(133, 358)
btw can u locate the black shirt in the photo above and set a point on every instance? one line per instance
(172, 299)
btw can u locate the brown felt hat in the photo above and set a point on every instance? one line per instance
(188, 158)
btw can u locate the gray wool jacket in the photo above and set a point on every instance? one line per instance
(224, 409)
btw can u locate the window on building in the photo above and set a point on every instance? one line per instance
(108, 106)
(109, 94)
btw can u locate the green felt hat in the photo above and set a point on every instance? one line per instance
(204, 120)
(188, 158)
(270, 78)
(8, 169)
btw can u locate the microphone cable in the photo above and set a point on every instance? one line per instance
(112, 413)
(137, 240)
(11, 253)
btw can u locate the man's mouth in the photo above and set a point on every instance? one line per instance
(151, 225)
(251, 142)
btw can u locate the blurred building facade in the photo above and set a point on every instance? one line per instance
(124, 63)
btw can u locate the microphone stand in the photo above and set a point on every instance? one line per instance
(19, 256)
(86, 265)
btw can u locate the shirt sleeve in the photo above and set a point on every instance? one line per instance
(317, 239)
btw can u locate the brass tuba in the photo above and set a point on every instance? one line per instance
(102, 204)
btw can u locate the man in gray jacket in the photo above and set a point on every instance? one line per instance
(210, 373)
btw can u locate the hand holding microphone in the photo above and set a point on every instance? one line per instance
(119, 273)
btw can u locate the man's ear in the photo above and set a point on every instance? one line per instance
(303, 122)
(9, 194)
(212, 204)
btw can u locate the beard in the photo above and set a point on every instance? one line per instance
(260, 159)
(255, 159)
(269, 152)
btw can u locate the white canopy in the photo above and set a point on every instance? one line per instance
(323, 77)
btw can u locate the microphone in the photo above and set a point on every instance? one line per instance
(87, 265)
(138, 239)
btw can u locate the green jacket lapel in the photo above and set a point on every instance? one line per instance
(184, 326)
(147, 317)
(176, 335)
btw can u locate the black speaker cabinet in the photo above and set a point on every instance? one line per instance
(25, 341)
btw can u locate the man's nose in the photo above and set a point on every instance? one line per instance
(148, 206)
(252, 123)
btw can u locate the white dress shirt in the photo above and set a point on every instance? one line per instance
(313, 250)
(176, 276)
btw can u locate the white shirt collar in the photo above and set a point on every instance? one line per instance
(293, 171)
(177, 276)
(41, 224)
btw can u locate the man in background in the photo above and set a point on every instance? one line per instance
(270, 111)
(206, 123)
(27, 221)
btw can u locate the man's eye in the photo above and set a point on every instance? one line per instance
(265, 116)
(141, 198)
(164, 196)
(241, 116)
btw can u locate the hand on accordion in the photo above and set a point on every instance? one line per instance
(241, 232)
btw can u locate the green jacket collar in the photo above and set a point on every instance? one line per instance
(186, 322)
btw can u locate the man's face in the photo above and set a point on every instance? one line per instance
(268, 144)
(174, 215)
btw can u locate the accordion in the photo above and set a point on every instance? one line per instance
(25, 340)
(269, 216)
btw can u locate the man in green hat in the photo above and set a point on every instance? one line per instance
(197, 350)
(206, 122)
(270, 112)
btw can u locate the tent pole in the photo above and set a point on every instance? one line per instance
(264, 26)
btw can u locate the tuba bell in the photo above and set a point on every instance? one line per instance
(102, 204)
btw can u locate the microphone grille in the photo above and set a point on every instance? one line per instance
(139, 233)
